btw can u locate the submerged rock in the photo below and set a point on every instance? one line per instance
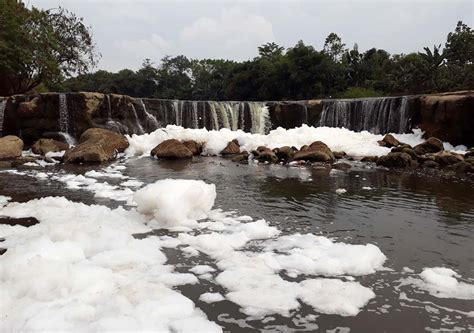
(171, 149)
(430, 164)
(342, 166)
(11, 147)
(462, 167)
(395, 160)
(389, 141)
(96, 145)
(44, 146)
(432, 145)
(264, 154)
(232, 148)
(242, 157)
(285, 153)
(339, 154)
(193, 146)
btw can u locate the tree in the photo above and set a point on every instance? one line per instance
(270, 50)
(40, 46)
(433, 61)
(334, 47)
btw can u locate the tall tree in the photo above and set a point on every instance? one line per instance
(38, 46)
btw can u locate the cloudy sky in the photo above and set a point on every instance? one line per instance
(126, 32)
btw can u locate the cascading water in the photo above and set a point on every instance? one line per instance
(137, 121)
(376, 115)
(260, 118)
(153, 123)
(63, 114)
(3, 105)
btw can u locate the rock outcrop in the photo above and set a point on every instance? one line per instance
(171, 149)
(11, 147)
(96, 145)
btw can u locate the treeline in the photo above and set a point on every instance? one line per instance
(53, 50)
(300, 72)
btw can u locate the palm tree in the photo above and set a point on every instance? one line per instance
(433, 60)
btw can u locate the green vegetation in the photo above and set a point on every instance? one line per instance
(54, 50)
(40, 47)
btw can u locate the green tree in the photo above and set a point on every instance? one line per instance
(334, 47)
(41, 46)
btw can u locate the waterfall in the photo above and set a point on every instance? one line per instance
(195, 115)
(3, 105)
(137, 121)
(376, 115)
(151, 118)
(260, 117)
(215, 120)
(109, 108)
(63, 114)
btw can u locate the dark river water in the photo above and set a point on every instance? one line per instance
(416, 220)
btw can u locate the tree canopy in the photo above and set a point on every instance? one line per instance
(40, 46)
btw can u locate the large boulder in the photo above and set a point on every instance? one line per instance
(96, 145)
(389, 141)
(44, 146)
(232, 148)
(193, 146)
(171, 149)
(316, 152)
(395, 160)
(285, 153)
(432, 145)
(10, 147)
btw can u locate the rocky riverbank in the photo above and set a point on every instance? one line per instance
(98, 145)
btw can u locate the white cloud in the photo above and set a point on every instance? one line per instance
(232, 32)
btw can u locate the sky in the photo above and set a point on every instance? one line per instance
(127, 32)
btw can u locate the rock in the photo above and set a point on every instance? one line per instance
(339, 154)
(243, 157)
(395, 160)
(410, 152)
(389, 141)
(44, 146)
(193, 146)
(342, 166)
(445, 158)
(96, 145)
(322, 147)
(11, 147)
(370, 159)
(232, 148)
(171, 149)
(432, 145)
(430, 164)
(469, 160)
(22, 160)
(462, 167)
(264, 154)
(316, 152)
(469, 153)
(400, 148)
(285, 153)
(312, 156)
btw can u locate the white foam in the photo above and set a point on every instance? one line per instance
(176, 201)
(338, 139)
(4, 200)
(80, 269)
(201, 269)
(341, 190)
(211, 297)
(442, 282)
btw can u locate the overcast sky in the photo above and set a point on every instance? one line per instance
(126, 32)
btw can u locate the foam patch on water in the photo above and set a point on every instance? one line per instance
(80, 269)
(176, 201)
(441, 282)
(4, 200)
(338, 139)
